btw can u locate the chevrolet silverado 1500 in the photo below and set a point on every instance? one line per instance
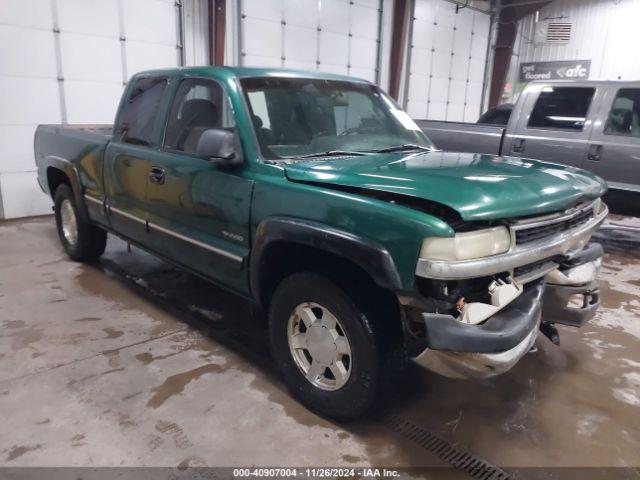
(320, 200)
(588, 124)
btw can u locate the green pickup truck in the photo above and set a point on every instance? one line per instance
(316, 197)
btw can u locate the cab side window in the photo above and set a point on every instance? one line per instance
(561, 107)
(624, 117)
(138, 117)
(199, 104)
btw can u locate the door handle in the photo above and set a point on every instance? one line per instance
(519, 144)
(156, 175)
(595, 152)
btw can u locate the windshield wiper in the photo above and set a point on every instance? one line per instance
(406, 146)
(332, 153)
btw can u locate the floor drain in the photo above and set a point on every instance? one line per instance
(474, 466)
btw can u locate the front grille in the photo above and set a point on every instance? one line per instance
(528, 235)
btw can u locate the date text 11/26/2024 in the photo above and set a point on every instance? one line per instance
(316, 472)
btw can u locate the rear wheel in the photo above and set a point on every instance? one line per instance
(325, 346)
(82, 240)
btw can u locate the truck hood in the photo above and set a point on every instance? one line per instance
(477, 186)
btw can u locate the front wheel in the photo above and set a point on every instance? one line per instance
(325, 346)
(82, 240)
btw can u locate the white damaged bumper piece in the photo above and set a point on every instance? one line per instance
(488, 339)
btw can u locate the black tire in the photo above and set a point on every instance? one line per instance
(90, 241)
(357, 396)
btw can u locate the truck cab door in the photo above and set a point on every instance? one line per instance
(614, 146)
(129, 155)
(554, 124)
(199, 211)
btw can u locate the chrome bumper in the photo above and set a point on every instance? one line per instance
(467, 365)
(459, 350)
(560, 244)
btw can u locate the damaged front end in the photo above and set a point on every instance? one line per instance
(464, 325)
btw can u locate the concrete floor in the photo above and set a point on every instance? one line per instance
(131, 362)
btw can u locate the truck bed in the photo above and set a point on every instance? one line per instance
(464, 137)
(78, 147)
(102, 129)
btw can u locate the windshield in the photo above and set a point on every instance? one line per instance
(295, 117)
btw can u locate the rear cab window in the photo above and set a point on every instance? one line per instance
(137, 119)
(563, 108)
(624, 116)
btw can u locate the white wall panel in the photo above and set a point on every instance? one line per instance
(21, 195)
(334, 16)
(334, 49)
(91, 102)
(300, 44)
(147, 56)
(417, 108)
(448, 52)
(28, 101)
(364, 22)
(88, 82)
(80, 62)
(437, 110)
(151, 21)
(73, 15)
(301, 13)
(363, 53)
(253, 60)
(265, 39)
(26, 52)
(265, 9)
(337, 36)
(16, 154)
(367, 3)
(363, 73)
(26, 13)
(421, 62)
(301, 65)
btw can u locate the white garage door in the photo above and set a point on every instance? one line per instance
(338, 36)
(66, 61)
(447, 61)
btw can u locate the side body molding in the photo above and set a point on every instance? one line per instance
(368, 255)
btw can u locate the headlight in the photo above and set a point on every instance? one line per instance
(468, 245)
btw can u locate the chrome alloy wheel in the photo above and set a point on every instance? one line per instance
(319, 346)
(69, 222)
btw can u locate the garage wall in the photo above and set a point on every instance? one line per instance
(337, 36)
(447, 61)
(66, 61)
(604, 32)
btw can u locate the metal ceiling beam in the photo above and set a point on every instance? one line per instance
(216, 22)
(511, 11)
(400, 25)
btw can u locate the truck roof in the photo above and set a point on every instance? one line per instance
(246, 72)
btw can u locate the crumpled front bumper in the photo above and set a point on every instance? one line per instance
(461, 350)
(572, 296)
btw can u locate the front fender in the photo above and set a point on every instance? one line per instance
(368, 255)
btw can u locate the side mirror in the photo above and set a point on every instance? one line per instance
(220, 146)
